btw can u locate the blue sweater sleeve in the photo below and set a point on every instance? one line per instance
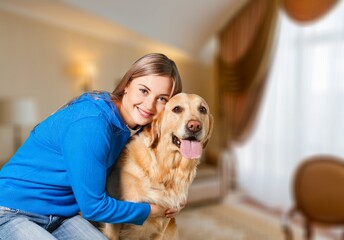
(86, 147)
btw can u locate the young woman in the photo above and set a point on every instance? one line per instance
(61, 168)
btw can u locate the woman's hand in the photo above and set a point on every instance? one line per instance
(157, 211)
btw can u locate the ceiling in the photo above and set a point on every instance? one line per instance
(187, 25)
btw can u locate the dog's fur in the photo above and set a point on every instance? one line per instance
(152, 169)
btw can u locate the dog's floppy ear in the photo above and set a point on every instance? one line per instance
(210, 130)
(155, 130)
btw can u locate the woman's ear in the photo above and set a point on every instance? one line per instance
(125, 90)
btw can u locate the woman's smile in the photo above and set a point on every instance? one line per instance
(144, 113)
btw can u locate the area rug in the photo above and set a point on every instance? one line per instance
(231, 220)
(218, 222)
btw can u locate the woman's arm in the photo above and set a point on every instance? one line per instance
(86, 148)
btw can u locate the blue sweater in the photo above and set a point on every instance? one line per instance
(61, 168)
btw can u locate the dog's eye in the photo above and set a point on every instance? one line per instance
(177, 109)
(202, 110)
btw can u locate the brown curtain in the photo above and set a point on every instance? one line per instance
(307, 10)
(246, 47)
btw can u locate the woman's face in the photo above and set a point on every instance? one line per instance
(145, 97)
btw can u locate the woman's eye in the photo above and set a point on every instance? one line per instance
(163, 99)
(144, 91)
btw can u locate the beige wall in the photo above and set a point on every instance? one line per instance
(35, 57)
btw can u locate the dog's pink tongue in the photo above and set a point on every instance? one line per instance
(191, 149)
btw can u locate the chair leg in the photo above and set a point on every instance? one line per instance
(288, 234)
(286, 228)
(308, 231)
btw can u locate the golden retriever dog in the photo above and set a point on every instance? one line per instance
(159, 164)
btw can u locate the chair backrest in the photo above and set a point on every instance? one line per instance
(319, 189)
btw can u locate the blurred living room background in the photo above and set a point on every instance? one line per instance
(271, 71)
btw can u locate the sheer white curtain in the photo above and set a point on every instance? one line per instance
(303, 109)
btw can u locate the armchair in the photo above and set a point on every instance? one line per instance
(318, 193)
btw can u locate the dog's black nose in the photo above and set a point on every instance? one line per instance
(194, 126)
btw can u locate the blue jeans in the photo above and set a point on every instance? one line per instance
(20, 225)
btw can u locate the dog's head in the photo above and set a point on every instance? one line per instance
(186, 124)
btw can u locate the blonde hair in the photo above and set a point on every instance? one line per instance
(150, 64)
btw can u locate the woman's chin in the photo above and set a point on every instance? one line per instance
(143, 121)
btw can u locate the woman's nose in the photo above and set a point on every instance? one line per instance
(150, 104)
